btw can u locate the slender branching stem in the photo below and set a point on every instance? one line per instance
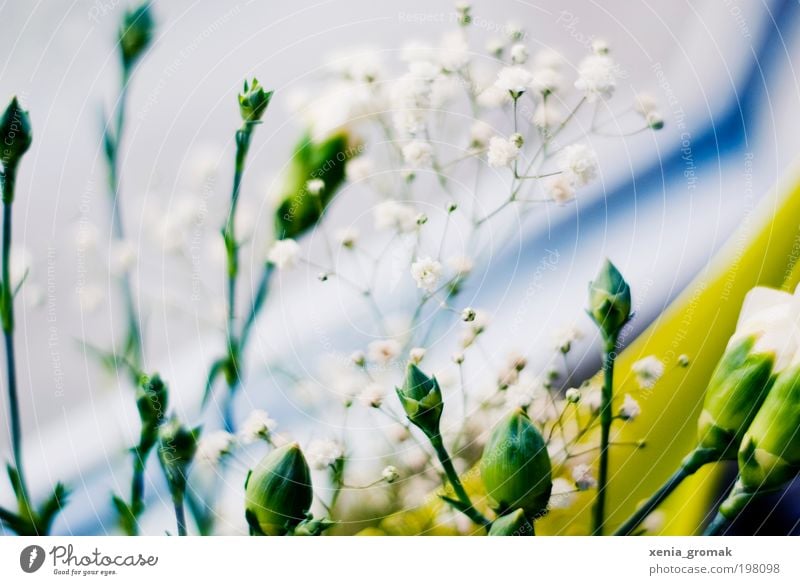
(455, 482)
(606, 417)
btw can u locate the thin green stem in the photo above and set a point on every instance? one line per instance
(694, 461)
(606, 417)
(455, 482)
(718, 525)
(180, 514)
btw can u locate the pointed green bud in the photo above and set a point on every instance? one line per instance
(178, 445)
(253, 102)
(421, 398)
(512, 524)
(515, 466)
(609, 301)
(16, 134)
(135, 34)
(737, 389)
(297, 210)
(770, 452)
(151, 401)
(278, 492)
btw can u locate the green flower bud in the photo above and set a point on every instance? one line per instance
(421, 398)
(151, 400)
(770, 452)
(16, 134)
(609, 301)
(515, 467)
(297, 210)
(278, 492)
(513, 524)
(737, 389)
(135, 34)
(176, 451)
(253, 102)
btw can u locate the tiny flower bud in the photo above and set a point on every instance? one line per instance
(416, 354)
(322, 276)
(683, 360)
(358, 358)
(16, 135)
(253, 102)
(151, 401)
(315, 186)
(422, 219)
(515, 466)
(421, 398)
(390, 474)
(458, 358)
(573, 395)
(135, 34)
(512, 524)
(517, 139)
(178, 445)
(609, 301)
(278, 492)
(452, 206)
(468, 315)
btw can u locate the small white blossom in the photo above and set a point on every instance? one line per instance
(390, 474)
(547, 115)
(495, 46)
(514, 30)
(593, 399)
(284, 254)
(416, 51)
(584, 479)
(418, 153)
(213, 446)
(315, 186)
(596, 78)
(515, 80)
(547, 80)
(454, 51)
(347, 237)
(458, 358)
(502, 152)
(600, 47)
(480, 133)
(493, 97)
(359, 169)
(562, 495)
(461, 265)
(382, 351)
(655, 120)
(519, 54)
(630, 408)
(468, 315)
(644, 103)
(520, 395)
(579, 163)
(257, 426)
(564, 338)
(648, 371)
(357, 358)
(372, 396)
(394, 215)
(426, 272)
(573, 395)
(361, 64)
(416, 354)
(654, 522)
(560, 190)
(323, 453)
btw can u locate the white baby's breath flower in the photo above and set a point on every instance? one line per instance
(315, 186)
(416, 354)
(395, 215)
(495, 46)
(284, 254)
(654, 522)
(454, 51)
(461, 265)
(560, 190)
(547, 115)
(322, 453)
(514, 30)
(579, 163)
(213, 446)
(564, 338)
(520, 395)
(593, 398)
(548, 59)
(426, 272)
(493, 97)
(519, 54)
(372, 396)
(347, 237)
(418, 153)
(644, 103)
(359, 168)
(648, 371)
(502, 152)
(600, 47)
(573, 395)
(583, 477)
(562, 495)
(362, 64)
(390, 474)
(596, 77)
(630, 408)
(547, 80)
(257, 426)
(416, 51)
(382, 351)
(514, 79)
(480, 133)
